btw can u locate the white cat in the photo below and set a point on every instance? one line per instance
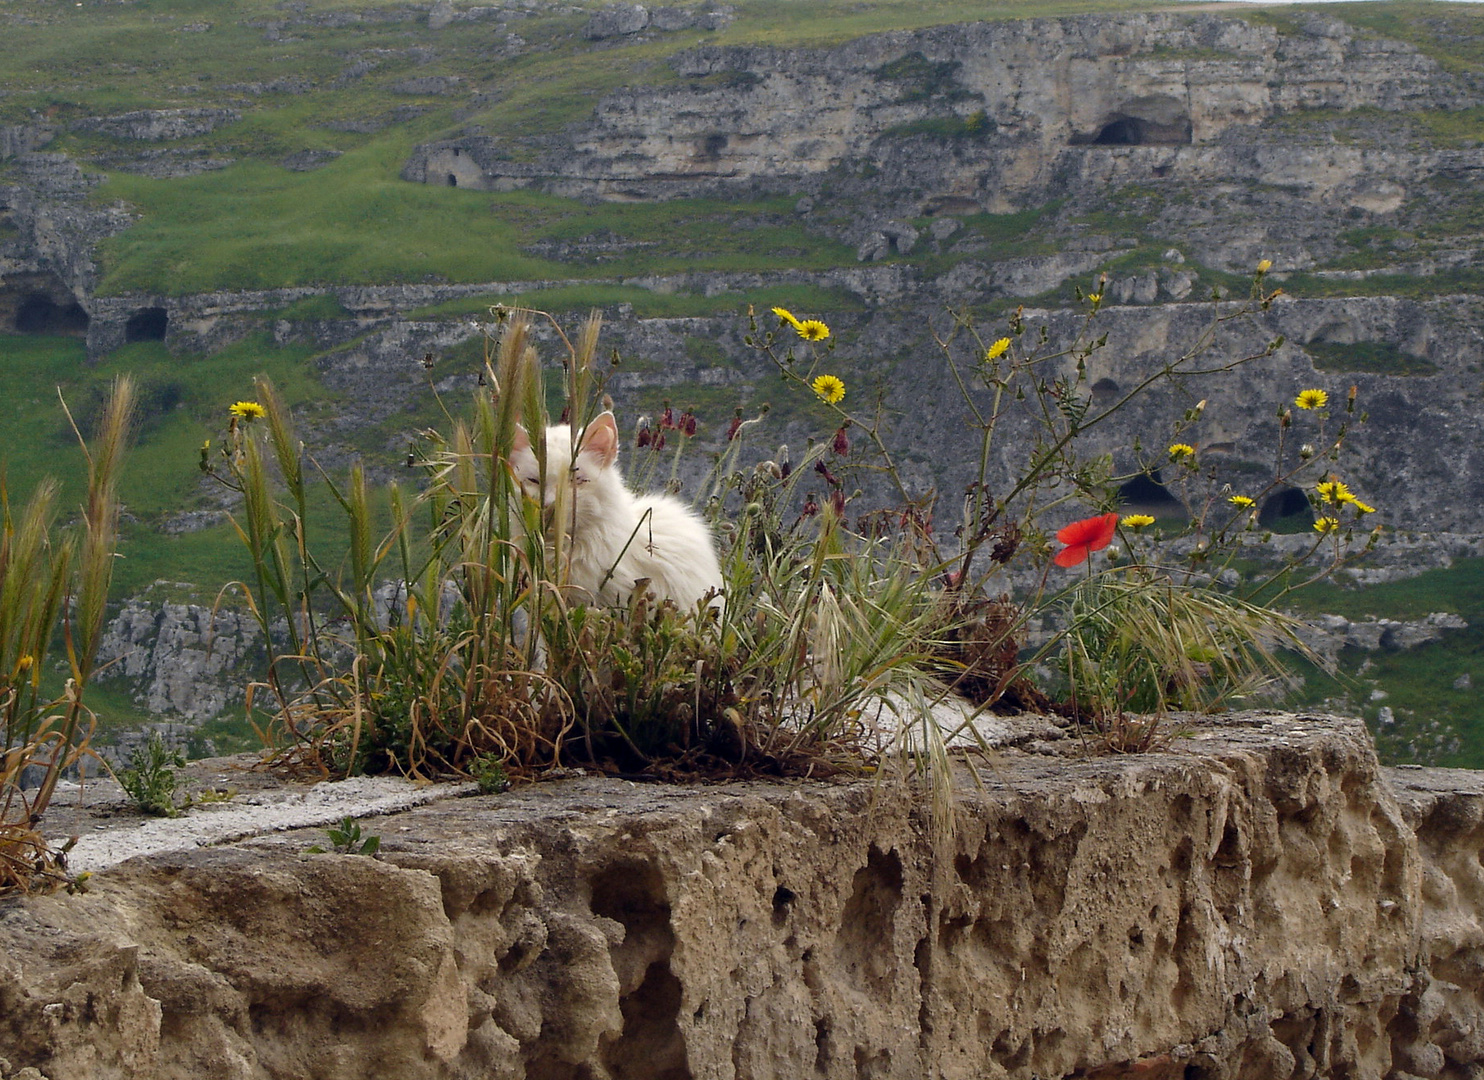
(619, 537)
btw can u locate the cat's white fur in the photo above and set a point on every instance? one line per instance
(619, 537)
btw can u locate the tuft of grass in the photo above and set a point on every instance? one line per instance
(1369, 357)
(1139, 645)
(150, 780)
(324, 306)
(54, 584)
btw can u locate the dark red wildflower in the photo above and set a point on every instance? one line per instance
(842, 443)
(810, 506)
(1084, 537)
(734, 427)
(687, 423)
(837, 502)
(645, 437)
(667, 418)
(824, 471)
(659, 441)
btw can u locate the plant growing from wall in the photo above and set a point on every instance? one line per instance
(452, 641)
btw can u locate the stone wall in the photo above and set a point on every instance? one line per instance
(1260, 901)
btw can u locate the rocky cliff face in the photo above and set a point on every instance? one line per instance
(186, 661)
(48, 232)
(1416, 452)
(1262, 901)
(1015, 112)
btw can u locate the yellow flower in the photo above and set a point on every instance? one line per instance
(787, 316)
(248, 410)
(1242, 502)
(1326, 525)
(1360, 507)
(24, 663)
(1137, 521)
(812, 330)
(1264, 266)
(1096, 297)
(1335, 492)
(1181, 450)
(829, 388)
(1311, 399)
(997, 350)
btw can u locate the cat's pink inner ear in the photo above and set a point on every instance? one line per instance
(601, 439)
(522, 440)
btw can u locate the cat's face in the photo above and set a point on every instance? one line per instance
(597, 451)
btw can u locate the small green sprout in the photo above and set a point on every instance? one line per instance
(346, 840)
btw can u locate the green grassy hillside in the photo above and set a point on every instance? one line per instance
(340, 86)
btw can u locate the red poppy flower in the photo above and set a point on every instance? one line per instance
(1084, 537)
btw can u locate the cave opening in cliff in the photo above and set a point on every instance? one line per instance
(1287, 508)
(147, 324)
(1125, 131)
(38, 313)
(1147, 494)
(1156, 121)
(453, 181)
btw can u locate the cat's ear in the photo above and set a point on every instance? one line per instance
(601, 439)
(522, 441)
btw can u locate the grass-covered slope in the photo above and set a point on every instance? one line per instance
(355, 86)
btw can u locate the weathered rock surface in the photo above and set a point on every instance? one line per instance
(1262, 901)
(1033, 108)
(186, 660)
(1335, 632)
(155, 125)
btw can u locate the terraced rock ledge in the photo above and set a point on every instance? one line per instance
(1261, 901)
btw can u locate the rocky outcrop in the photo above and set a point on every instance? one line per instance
(626, 20)
(1260, 901)
(156, 125)
(17, 139)
(1018, 111)
(186, 661)
(1331, 633)
(52, 229)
